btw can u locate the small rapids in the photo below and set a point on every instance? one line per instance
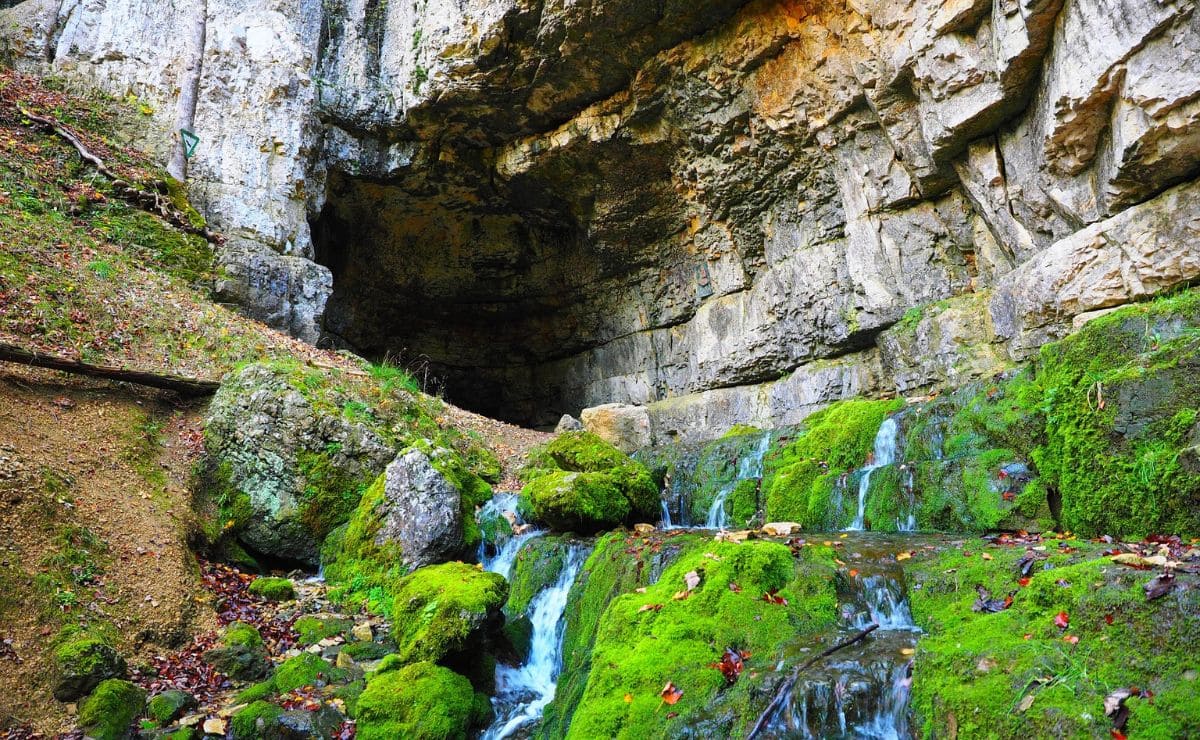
(749, 467)
(861, 691)
(884, 454)
(499, 554)
(523, 692)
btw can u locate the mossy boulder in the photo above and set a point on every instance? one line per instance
(645, 640)
(421, 701)
(256, 720)
(311, 629)
(578, 482)
(109, 712)
(290, 449)
(241, 654)
(168, 706)
(442, 610)
(305, 669)
(81, 663)
(273, 589)
(536, 566)
(1013, 673)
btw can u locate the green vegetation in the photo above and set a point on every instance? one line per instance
(1013, 673)
(168, 706)
(579, 482)
(83, 660)
(252, 720)
(311, 629)
(437, 610)
(801, 478)
(111, 710)
(304, 669)
(537, 565)
(646, 640)
(273, 589)
(421, 700)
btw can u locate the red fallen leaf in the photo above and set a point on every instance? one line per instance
(671, 694)
(1002, 474)
(1028, 636)
(1159, 586)
(1117, 735)
(1008, 496)
(1108, 619)
(1023, 582)
(731, 664)
(1073, 639)
(853, 573)
(772, 597)
(985, 603)
(672, 715)
(1062, 620)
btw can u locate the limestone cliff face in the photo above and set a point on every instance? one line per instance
(727, 211)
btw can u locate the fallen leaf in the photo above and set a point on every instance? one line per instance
(1108, 619)
(671, 694)
(1160, 585)
(1062, 620)
(650, 608)
(731, 664)
(1073, 639)
(1023, 582)
(903, 556)
(986, 556)
(629, 698)
(773, 597)
(692, 579)
(1026, 703)
(907, 651)
(853, 573)
(735, 588)
(681, 595)
(214, 727)
(986, 604)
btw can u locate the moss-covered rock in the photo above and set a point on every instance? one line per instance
(168, 706)
(1013, 673)
(645, 640)
(273, 589)
(291, 448)
(255, 720)
(311, 629)
(241, 654)
(109, 712)
(81, 663)
(536, 566)
(579, 482)
(803, 480)
(305, 669)
(421, 701)
(441, 610)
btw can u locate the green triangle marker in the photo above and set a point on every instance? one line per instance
(190, 141)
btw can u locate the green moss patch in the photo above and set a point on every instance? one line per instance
(109, 713)
(273, 589)
(312, 629)
(437, 610)
(421, 700)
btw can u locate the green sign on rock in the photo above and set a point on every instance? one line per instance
(190, 141)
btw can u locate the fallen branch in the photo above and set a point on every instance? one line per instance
(149, 200)
(787, 685)
(190, 387)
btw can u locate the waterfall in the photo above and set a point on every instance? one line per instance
(884, 604)
(884, 454)
(523, 692)
(749, 467)
(498, 556)
(666, 516)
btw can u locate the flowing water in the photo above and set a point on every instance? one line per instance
(524, 691)
(861, 691)
(749, 467)
(884, 454)
(498, 555)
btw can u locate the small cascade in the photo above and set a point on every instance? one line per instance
(884, 454)
(861, 691)
(498, 553)
(666, 516)
(749, 467)
(908, 522)
(523, 692)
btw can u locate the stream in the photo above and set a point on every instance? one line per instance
(861, 691)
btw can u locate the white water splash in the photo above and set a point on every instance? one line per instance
(498, 557)
(884, 454)
(885, 605)
(749, 467)
(522, 693)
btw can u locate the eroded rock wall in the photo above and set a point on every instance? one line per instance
(726, 211)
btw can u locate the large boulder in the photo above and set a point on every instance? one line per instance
(441, 610)
(421, 700)
(579, 482)
(623, 426)
(285, 460)
(421, 511)
(82, 663)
